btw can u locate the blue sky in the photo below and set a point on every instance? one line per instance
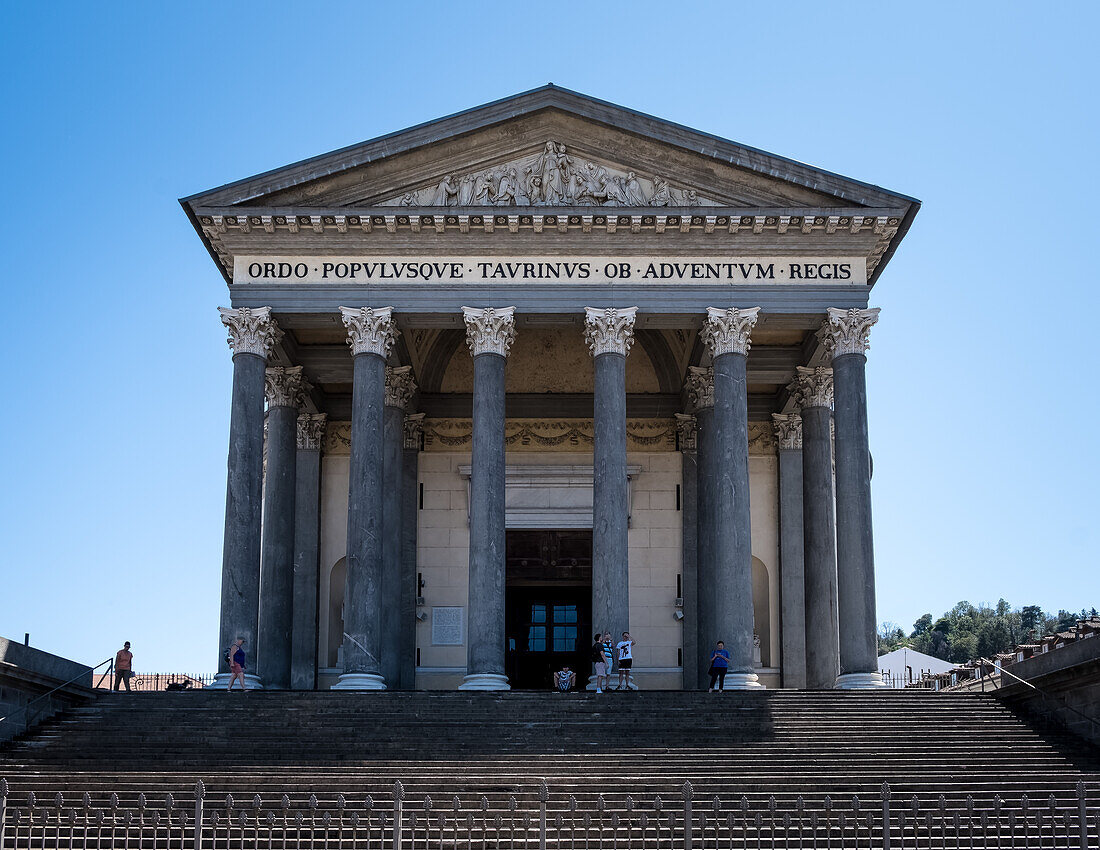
(980, 373)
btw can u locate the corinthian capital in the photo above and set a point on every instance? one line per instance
(400, 386)
(700, 387)
(849, 331)
(311, 430)
(414, 431)
(609, 331)
(788, 430)
(284, 385)
(727, 331)
(251, 331)
(813, 386)
(490, 330)
(371, 330)
(687, 431)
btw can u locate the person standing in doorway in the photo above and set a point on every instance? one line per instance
(719, 664)
(599, 662)
(124, 666)
(626, 659)
(237, 660)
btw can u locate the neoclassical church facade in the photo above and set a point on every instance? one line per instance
(544, 368)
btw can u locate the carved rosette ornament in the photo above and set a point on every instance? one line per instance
(414, 431)
(490, 330)
(371, 330)
(700, 387)
(850, 330)
(726, 331)
(813, 386)
(788, 430)
(283, 386)
(400, 386)
(311, 431)
(609, 331)
(251, 331)
(686, 432)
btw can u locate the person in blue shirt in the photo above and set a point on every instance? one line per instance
(719, 664)
(237, 660)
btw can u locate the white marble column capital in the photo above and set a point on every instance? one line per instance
(813, 386)
(371, 330)
(700, 387)
(400, 386)
(490, 330)
(609, 330)
(284, 385)
(849, 331)
(251, 330)
(311, 431)
(788, 430)
(726, 331)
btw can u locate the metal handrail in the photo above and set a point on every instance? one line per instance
(54, 690)
(1046, 696)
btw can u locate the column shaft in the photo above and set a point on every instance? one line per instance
(394, 435)
(707, 572)
(854, 539)
(792, 576)
(485, 629)
(689, 571)
(409, 590)
(363, 595)
(240, 592)
(820, 549)
(732, 540)
(307, 547)
(610, 572)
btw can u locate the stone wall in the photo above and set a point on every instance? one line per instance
(27, 673)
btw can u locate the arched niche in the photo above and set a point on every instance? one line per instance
(337, 578)
(761, 609)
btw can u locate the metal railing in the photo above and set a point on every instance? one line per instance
(7, 718)
(535, 818)
(161, 681)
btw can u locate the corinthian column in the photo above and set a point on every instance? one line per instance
(849, 332)
(489, 333)
(307, 550)
(701, 392)
(371, 333)
(814, 389)
(252, 335)
(284, 387)
(726, 333)
(792, 575)
(399, 389)
(609, 334)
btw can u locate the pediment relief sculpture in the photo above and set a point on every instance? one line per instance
(551, 178)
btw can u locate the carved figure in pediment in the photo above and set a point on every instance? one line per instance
(410, 199)
(615, 191)
(662, 193)
(466, 190)
(483, 194)
(445, 192)
(593, 192)
(635, 193)
(548, 168)
(506, 191)
(691, 198)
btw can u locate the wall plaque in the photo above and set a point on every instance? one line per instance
(447, 626)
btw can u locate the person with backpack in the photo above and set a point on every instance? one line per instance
(236, 658)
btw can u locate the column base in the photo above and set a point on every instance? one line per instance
(742, 682)
(859, 681)
(485, 682)
(360, 682)
(221, 680)
(612, 683)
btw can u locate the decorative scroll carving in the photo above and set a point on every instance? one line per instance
(311, 430)
(284, 385)
(491, 330)
(850, 330)
(371, 330)
(553, 178)
(609, 331)
(761, 438)
(414, 431)
(400, 386)
(727, 331)
(788, 430)
(700, 387)
(251, 331)
(813, 386)
(687, 432)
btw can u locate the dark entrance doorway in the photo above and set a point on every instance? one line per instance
(548, 613)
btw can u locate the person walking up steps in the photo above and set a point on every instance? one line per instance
(124, 666)
(626, 659)
(719, 664)
(237, 660)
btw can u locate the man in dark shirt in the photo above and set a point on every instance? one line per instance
(599, 663)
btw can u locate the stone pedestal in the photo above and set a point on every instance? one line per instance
(490, 333)
(252, 335)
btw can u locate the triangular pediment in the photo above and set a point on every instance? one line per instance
(549, 148)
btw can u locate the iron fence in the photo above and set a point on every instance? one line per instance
(159, 681)
(537, 819)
